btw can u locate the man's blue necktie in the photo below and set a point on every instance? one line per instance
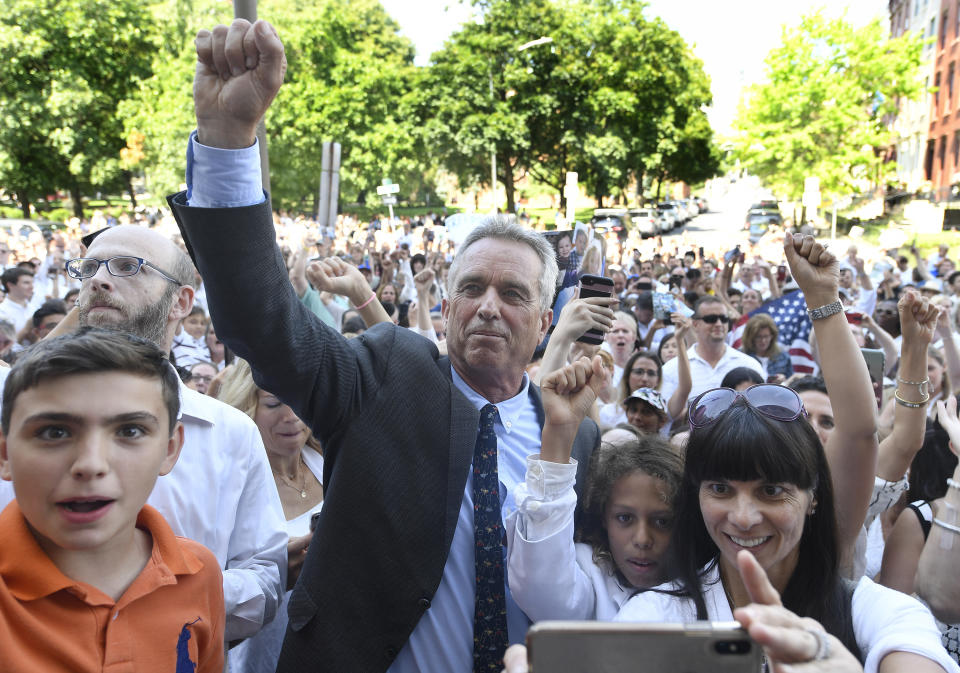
(490, 611)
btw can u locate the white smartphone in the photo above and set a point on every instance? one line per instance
(607, 647)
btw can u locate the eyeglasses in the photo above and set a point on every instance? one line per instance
(201, 379)
(773, 401)
(712, 319)
(87, 267)
(648, 372)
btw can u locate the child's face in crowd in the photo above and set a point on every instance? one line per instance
(195, 325)
(84, 452)
(643, 416)
(638, 520)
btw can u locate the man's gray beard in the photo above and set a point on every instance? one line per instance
(149, 323)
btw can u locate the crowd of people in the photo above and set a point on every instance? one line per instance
(400, 447)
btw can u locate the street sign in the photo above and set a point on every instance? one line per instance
(389, 200)
(388, 188)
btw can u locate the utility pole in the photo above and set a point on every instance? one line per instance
(247, 9)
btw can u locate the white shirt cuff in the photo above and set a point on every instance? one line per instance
(219, 178)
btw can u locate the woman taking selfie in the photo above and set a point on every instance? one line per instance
(759, 535)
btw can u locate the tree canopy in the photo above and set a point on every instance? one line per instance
(609, 96)
(65, 66)
(94, 91)
(823, 109)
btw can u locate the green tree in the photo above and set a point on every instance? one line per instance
(161, 111)
(601, 99)
(65, 65)
(485, 97)
(350, 79)
(830, 89)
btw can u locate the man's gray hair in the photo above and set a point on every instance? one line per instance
(505, 228)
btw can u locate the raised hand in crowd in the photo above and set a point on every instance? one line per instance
(239, 71)
(946, 333)
(298, 270)
(337, 277)
(423, 281)
(918, 320)
(852, 447)
(577, 317)
(677, 404)
(891, 351)
(568, 394)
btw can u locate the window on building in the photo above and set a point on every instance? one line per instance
(936, 95)
(956, 150)
(950, 74)
(943, 28)
(956, 21)
(942, 151)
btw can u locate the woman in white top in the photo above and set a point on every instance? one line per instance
(297, 465)
(758, 536)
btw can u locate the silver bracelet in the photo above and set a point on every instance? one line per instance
(826, 310)
(949, 526)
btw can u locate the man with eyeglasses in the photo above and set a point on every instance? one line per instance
(221, 492)
(710, 357)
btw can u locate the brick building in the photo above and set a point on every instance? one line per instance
(942, 157)
(912, 123)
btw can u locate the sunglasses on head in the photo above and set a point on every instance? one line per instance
(773, 401)
(712, 319)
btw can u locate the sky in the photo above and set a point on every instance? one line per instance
(731, 37)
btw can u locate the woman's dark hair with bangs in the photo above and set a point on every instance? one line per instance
(744, 445)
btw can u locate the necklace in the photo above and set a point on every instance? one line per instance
(302, 489)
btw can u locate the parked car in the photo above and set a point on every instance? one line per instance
(670, 211)
(683, 215)
(613, 219)
(762, 216)
(646, 221)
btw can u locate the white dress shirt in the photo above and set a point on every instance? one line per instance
(19, 315)
(702, 374)
(443, 638)
(221, 494)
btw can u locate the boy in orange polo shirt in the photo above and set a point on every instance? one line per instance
(92, 578)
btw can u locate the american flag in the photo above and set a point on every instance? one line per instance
(789, 312)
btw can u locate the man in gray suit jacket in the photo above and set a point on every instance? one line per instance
(388, 581)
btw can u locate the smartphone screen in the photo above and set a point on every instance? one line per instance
(594, 286)
(874, 360)
(664, 304)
